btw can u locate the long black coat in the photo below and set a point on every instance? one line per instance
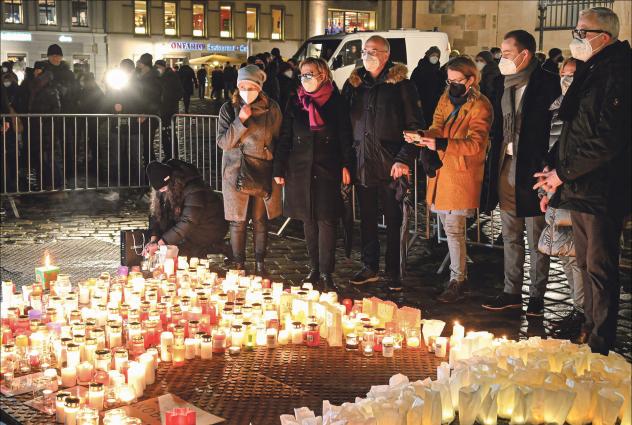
(171, 93)
(148, 91)
(430, 84)
(66, 85)
(187, 78)
(311, 161)
(533, 146)
(200, 224)
(492, 82)
(593, 151)
(380, 111)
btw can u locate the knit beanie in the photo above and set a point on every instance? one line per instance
(54, 49)
(158, 174)
(253, 74)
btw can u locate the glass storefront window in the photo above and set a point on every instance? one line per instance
(199, 20)
(79, 13)
(349, 21)
(12, 12)
(171, 18)
(226, 21)
(141, 21)
(277, 23)
(252, 22)
(47, 12)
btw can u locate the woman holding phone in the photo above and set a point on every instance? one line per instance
(460, 135)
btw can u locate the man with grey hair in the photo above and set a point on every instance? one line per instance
(383, 103)
(589, 170)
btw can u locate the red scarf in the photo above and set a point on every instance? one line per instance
(311, 102)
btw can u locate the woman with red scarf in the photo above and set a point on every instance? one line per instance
(312, 158)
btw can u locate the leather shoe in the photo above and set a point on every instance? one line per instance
(327, 282)
(260, 269)
(313, 277)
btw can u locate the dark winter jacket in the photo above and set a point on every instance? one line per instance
(201, 75)
(187, 78)
(66, 85)
(200, 224)
(542, 89)
(380, 111)
(271, 84)
(230, 77)
(44, 97)
(11, 92)
(287, 89)
(91, 100)
(593, 152)
(430, 84)
(171, 93)
(492, 82)
(149, 93)
(311, 161)
(217, 79)
(551, 66)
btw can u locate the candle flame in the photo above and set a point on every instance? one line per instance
(46, 259)
(456, 322)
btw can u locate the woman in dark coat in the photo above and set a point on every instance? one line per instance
(491, 79)
(313, 157)
(184, 211)
(430, 82)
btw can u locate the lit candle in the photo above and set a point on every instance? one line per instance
(458, 331)
(206, 347)
(68, 377)
(297, 333)
(148, 361)
(84, 372)
(47, 273)
(126, 394)
(95, 395)
(441, 346)
(284, 337)
(169, 266)
(51, 376)
(190, 348)
(60, 405)
(73, 355)
(455, 353)
(412, 341)
(71, 407)
(166, 346)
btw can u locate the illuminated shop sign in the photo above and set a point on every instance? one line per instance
(189, 46)
(15, 36)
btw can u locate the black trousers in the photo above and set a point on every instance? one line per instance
(597, 250)
(369, 215)
(201, 89)
(320, 236)
(186, 98)
(259, 215)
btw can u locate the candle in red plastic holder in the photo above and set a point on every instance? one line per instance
(348, 303)
(312, 336)
(180, 416)
(219, 341)
(266, 284)
(7, 335)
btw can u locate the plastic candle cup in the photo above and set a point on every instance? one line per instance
(284, 337)
(441, 346)
(84, 372)
(95, 395)
(297, 333)
(71, 407)
(166, 346)
(387, 346)
(68, 376)
(60, 404)
(190, 348)
(206, 347)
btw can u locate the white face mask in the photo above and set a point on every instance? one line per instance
(480, 65)
(371, 63)
(310, 86)
(248, 96)
(565, 83)
(582, 49)
(508, 66)
(497, 56)
(6, 83)
(289, 73)
(5, 69)
(433, 60)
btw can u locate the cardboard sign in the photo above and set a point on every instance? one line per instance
(152, 411)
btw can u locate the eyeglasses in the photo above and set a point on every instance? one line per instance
(580, 34)
(372, 52)
(462, 81)
(307, 77)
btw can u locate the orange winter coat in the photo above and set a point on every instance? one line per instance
(457, 185)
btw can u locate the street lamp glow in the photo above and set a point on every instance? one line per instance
(116, 79)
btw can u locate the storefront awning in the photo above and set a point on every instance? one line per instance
(214, 58)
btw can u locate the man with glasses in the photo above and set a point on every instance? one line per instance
(383, 103)
(520, 135)
(590, 172)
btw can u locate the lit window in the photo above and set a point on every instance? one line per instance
(226, 21)
(79, 13)
(47, 12)
(141, 23)
(12, 11)
(252, 22)
(277, 23)
(171, 18)
(349, 21)
(199, 20)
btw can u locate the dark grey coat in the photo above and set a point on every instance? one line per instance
(257, 137)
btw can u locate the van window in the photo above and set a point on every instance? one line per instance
(317, 49)
(351, 52)
(398, 50)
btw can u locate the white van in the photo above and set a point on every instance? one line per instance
(343, 51)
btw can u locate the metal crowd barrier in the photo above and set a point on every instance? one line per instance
(45, 153)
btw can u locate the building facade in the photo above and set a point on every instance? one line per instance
(478, 25)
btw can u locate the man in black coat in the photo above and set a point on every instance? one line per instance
(185, 211)
(171, 93)
(217, 83)
(188, 80)
(429, 81)
(590, 172)
(382, 103)
(230, 80)
(519, 146)
(148, 103)
(201, 79)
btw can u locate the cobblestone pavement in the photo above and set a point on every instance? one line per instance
(81, 230)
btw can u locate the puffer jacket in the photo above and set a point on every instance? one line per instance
(593, 153)
(201, 223)
(381, 109)
(257, 137)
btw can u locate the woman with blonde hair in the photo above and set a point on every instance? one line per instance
(313, 157)
(460, 135)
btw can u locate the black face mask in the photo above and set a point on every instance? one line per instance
(457, 89)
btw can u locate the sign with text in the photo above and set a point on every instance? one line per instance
(192, 46)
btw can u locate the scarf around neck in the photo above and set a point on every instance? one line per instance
(511, 124)
(312, 102)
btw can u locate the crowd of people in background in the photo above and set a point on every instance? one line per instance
(544, 139)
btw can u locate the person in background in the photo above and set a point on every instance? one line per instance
(271, 85)
(201, 79)
(496, 53)
(382, 103)
(276, 58)
(7, 68)
(287, 84)
(91, 101)
(189, 82)
(460, 131)
(148, 103)
(492, 81)
(552, 62)
(251, 60)
(10, 87)
(313, 157)
(429, 80)
(590, 171)
(185, 211)
(249, 125)
(522, 144)
(171, 93)
(541, 57)
(230, 80)
(217, 83)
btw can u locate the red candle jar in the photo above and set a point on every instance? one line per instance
(348, 303)
(312, 336)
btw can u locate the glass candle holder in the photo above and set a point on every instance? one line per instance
(96, 395)
(351, 342)
(103, 360)
(71, 408)
(60, 403)
(312, 337)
